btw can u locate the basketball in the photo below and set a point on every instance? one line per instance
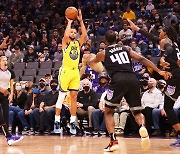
(71, 13)
(98, 67)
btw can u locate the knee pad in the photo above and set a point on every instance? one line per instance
(60, 99)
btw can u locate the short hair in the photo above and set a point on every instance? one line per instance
(1, 57)
(171, 33)
(110, 36)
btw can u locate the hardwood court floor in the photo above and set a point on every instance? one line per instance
(84, 145)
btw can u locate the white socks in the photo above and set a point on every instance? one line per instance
(57, 118)
(72, 119)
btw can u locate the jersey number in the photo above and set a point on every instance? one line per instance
(121, 58)
(178, 53)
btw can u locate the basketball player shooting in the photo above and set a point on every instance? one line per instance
(117, 62)
(69, 77)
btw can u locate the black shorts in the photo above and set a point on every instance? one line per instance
(125, 85)
(173, 88)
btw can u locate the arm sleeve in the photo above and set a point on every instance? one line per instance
(151, 37)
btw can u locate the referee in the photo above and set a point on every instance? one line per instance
(6, 76)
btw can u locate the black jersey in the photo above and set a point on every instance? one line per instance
(172, 55)
(117, 59)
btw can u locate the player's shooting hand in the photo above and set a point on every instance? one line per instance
(69, 20)
(165, 74)
(133, 26)
(79, 17)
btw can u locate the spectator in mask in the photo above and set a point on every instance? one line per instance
(153, 51)
(159, 112)
(155, 28)
(17, 105)
(144, 82)
(42, 86)
(27, 112)
(103, 84)
(167, 19)
(149, 6)
(151, 99)
(46, 111)
(48, 79)
(87, 101)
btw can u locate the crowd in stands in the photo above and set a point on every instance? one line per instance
(35, 29)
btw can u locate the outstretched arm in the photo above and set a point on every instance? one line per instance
(83, 37)
(148, 63)
(94, 60)
(150, 36)
(67, 32)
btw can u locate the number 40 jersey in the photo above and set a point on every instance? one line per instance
(117, 59)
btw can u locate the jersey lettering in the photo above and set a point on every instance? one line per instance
(178, 53)
(121, 58)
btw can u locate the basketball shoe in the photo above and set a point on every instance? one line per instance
(14, 139)
(72, 127)
(113, 146)
(145, 142)
(176, 143)
(57, 129)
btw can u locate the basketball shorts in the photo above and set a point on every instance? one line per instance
(69, 79)
(125, 85)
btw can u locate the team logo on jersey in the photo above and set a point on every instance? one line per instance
(73, 53)
(109, 94)
(170, 90)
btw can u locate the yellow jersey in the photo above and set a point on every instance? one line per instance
(71, 55)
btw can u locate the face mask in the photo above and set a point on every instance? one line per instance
(53, 87)
(143, 12)
(169, 15)
(151, 46)
(26, 88)
(86, 88)
(111, 24)
(18, 88)
(42, 85)
(156, 17)
(150, 85)
(160, 86)
(103, 83)
(144, 82)
(35, 90)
